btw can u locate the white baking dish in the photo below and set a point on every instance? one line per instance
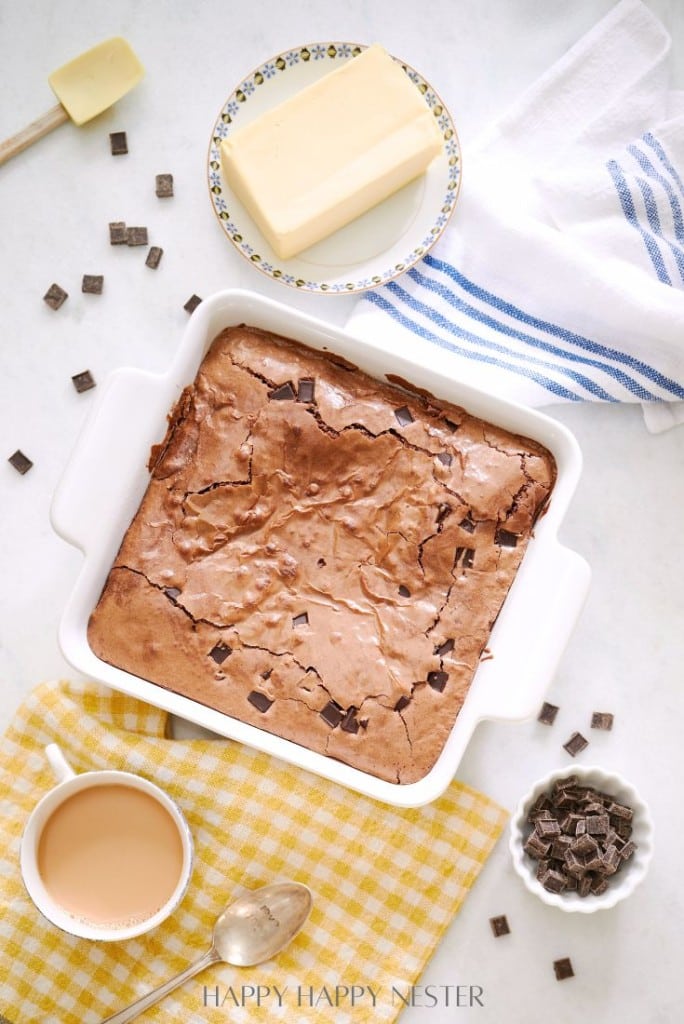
(107, 476)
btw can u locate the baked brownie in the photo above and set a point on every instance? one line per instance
(321, 554)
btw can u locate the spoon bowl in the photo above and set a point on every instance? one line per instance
(252, 929)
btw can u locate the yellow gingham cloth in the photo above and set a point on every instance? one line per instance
(386, 882)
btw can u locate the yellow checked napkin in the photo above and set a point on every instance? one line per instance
(386, 882)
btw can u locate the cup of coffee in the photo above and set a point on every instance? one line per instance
(105, 854)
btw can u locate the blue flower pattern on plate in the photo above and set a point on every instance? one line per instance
(291, 58)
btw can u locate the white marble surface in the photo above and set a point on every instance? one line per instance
(627, 653)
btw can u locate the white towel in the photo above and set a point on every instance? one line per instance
(561, 275)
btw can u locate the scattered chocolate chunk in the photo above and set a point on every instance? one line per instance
(332, 714)
(404, 591)
(172, 593)
(499, 926)
(444, 648)
(92, 284)
(576, 744)
(450, 425)
(220, 652)
(403, 416)
(321, 563)
(602, 720)
(563, 969)
(259, 700)
(267, 673)
(437, 680)
(300, 620)
(284, 393)
(443, 511)
(505, 539)
(467, 524)
(83, 381)
(136, 236)
(402, 703)
(163, 185)
(117, 232)
(118, 143)
(21, 462)
(306, 389)
(192, 304)
(547, 714)
(350, 722)
(154, 257)
(55, 296)
(445, 458)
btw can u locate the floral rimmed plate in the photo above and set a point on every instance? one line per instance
(374, 248)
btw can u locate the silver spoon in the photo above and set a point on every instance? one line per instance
(252, 929)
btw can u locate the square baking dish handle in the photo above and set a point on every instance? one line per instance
(532, 632)
(105, 478)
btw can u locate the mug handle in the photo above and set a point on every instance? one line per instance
(61, 768)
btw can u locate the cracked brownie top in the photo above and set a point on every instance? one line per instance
(321, 554)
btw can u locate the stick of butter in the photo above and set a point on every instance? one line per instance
(331, 152)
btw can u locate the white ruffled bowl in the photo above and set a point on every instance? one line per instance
(631, 873)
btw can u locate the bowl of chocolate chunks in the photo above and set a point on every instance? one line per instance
(581, 839)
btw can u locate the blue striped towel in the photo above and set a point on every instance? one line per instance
(561, 276)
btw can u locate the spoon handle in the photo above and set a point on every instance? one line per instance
(144, 1003)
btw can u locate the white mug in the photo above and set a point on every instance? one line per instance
(68, 784)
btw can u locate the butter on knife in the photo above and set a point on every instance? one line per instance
(331, 152)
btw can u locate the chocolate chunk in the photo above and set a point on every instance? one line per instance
(466, 556)
(437, 680)
(92, 284)
(560, 846)
(332, 714)
(259, 700)
(584, 886)
(562, 785)
(117, 232)
(118, 143)
(300, 620)
(598, 886)
(267, 673)
(21, 462)
(445, 458)
(404, 591)
(451, 426)
(284, 393)
(627, 850)
(220, 652)
(163, 185)
(563, 969)
(192, 304)
(574, 864)
(602, 720)
(136, 236)
(350, 722)
(546, 827)
(547, 714)
(321, 563)
(402, 703)
(55, 296)
(172, 592)
(505, 539)
(467, 524)
(584, 845)
(597, 824)
(499, 926)
(611, 859)
(403, 416)
(620, 811)
(306, 389)
(83, 381)
(535, 846)
(154, 257)
(444, 648)
(554, 881)
(443, 511)
(576, 744)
